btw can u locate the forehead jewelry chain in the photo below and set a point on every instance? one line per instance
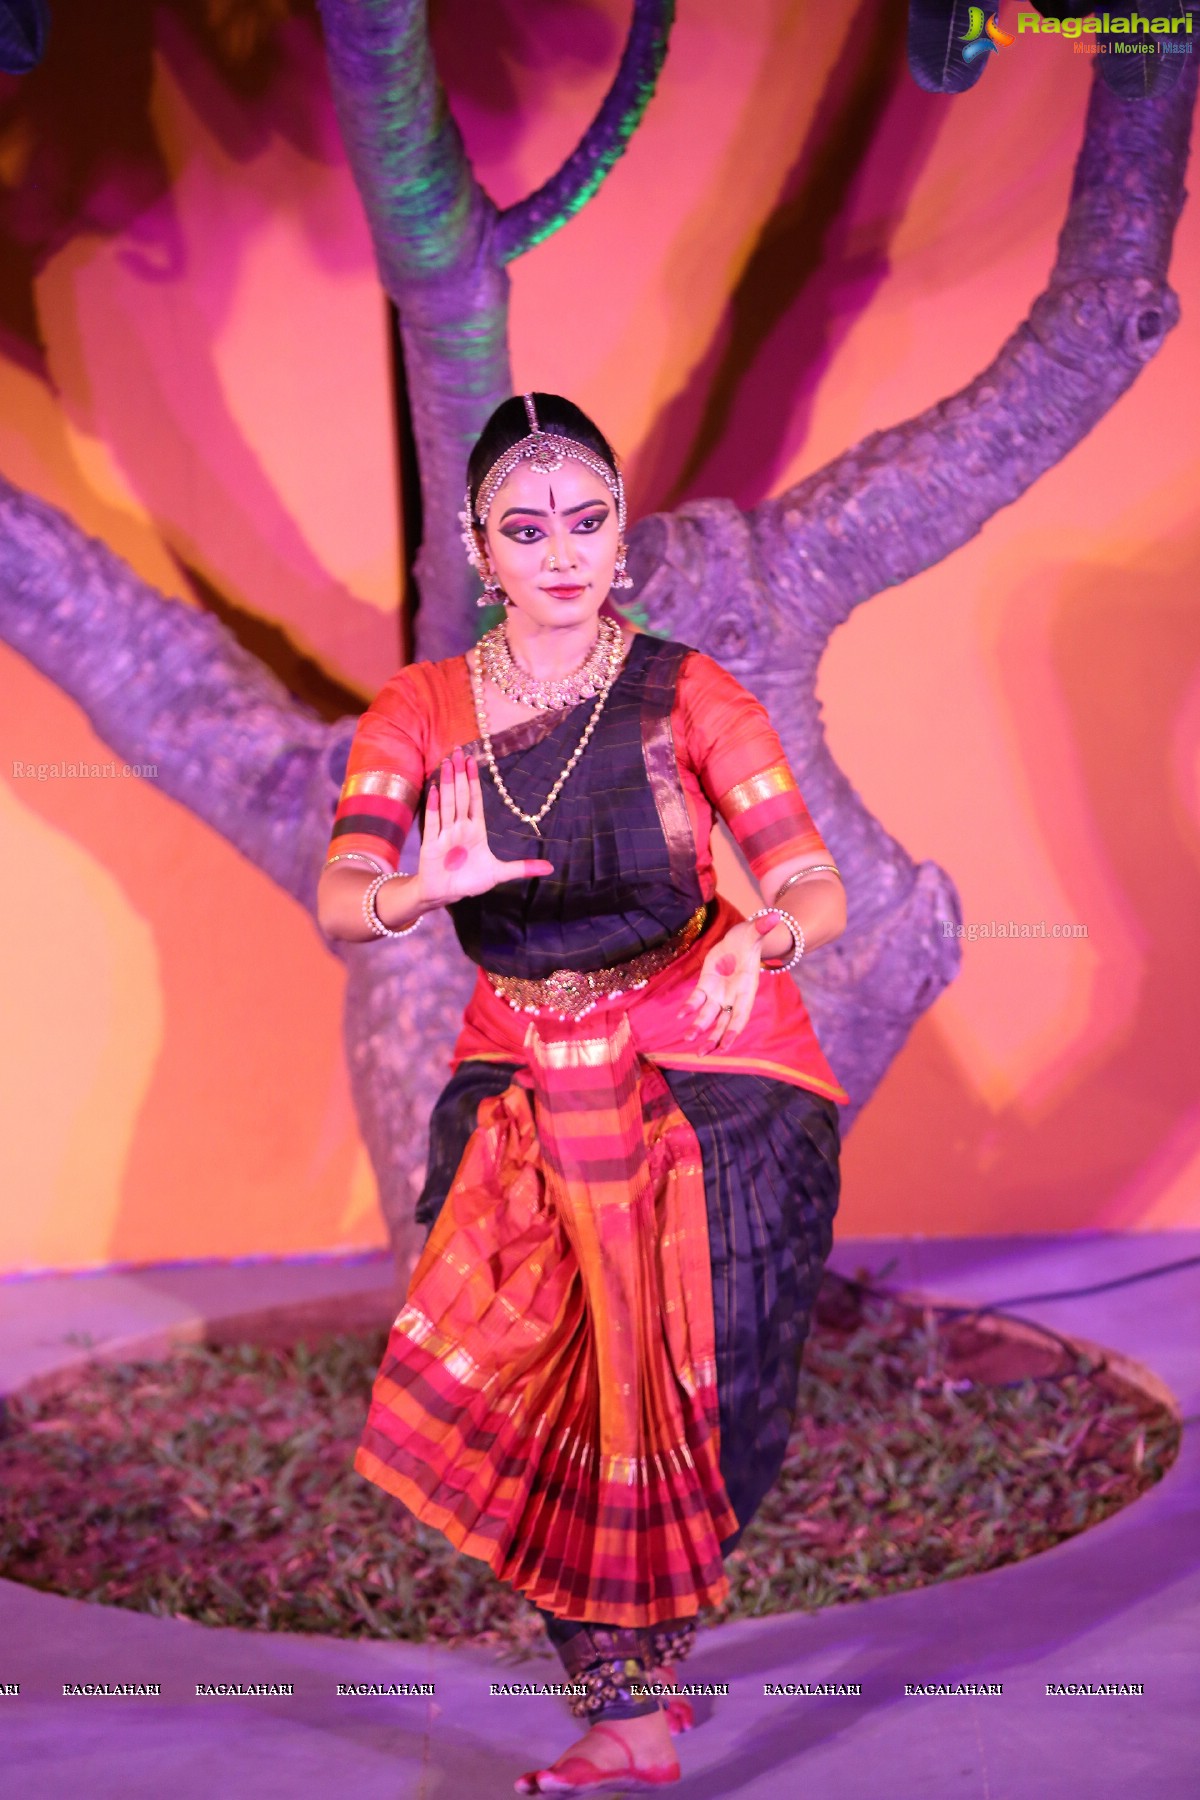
(535, 819)
(545, 451)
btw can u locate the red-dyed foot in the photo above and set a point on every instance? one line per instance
(580, 1775)
(680, 1713)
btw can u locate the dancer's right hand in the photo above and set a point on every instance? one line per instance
(455, 858)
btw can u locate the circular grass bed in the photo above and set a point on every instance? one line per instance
(216, 1484)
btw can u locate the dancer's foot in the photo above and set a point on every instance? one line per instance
(628, 1753)
(679, 1710)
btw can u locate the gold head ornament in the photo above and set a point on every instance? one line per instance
(545, 451)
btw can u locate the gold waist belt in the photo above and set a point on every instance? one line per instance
(573, 992)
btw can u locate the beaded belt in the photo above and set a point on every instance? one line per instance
(573, 992)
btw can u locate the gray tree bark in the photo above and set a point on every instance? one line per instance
(760, 590)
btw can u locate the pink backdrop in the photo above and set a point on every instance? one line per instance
(798, 248)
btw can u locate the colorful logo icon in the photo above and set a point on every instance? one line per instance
(983, 35)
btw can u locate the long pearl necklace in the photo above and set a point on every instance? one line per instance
(535, 819)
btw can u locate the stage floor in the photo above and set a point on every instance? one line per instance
(1118, 1604)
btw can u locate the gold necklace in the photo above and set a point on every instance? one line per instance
(533, 819)
(547, 693)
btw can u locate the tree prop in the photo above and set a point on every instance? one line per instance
(760, 589)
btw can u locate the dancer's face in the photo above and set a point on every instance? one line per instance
(552, 541)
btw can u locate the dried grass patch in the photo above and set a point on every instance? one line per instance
(217, 1484)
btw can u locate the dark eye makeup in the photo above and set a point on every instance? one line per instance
(589, 524)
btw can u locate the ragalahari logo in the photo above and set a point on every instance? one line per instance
(983, 35)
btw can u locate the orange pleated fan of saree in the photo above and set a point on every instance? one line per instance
(548, 1399)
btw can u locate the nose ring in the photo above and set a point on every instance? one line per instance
(551, 563)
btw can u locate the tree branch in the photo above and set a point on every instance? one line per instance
(541, 214)
(763, 592)
(698, 576)
(905, 498)
(165, 683)
(442, 250)
(433, 228)
(427, 213)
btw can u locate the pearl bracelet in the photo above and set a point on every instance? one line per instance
(372, 917)
(797, 931)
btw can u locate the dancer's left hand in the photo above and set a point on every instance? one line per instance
(719, 1004)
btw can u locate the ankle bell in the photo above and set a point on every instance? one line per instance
(671, 1642)
(610, 1664)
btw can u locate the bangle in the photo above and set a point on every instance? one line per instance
(801, 873)
(356, 856)
(797, 930)
(372, 917)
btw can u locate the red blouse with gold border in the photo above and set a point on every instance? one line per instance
(713, 750)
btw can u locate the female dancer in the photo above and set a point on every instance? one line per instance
(633, 1169)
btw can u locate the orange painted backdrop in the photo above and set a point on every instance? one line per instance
(798, 248)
